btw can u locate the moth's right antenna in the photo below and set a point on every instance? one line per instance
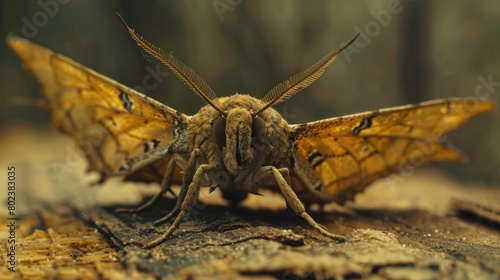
(186, 74)
(300, 81)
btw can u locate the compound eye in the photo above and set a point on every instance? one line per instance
(259, 129)
(219, 131)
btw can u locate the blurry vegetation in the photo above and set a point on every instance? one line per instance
(410, 51)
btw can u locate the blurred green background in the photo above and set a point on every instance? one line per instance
(409, 51)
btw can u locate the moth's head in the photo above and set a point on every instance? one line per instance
(237, 134)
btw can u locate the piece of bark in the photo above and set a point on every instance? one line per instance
(250, 243)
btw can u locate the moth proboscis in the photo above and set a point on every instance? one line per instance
(237, 143)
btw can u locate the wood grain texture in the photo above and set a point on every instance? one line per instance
(393, 231)
(97, 244)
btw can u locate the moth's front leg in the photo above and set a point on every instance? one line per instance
(188, 202)
(193, 161)
(165, 187)
(268, 178)
(293, 202)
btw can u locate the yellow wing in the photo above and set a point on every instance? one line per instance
(119, 130)
(336, 158)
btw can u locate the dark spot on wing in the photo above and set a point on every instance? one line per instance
(365, 149)
(126, 102)
(151, 145)
(128, 164)
(315, 158)
(364, 124)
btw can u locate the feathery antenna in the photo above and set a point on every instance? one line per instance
(300, 81)
(184, 73)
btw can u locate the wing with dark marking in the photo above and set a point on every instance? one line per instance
(119, 130)
(336, 158)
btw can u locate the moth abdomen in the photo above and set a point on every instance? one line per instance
(233, 196)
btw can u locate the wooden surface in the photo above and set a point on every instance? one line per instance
(395, 230)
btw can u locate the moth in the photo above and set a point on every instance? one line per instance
(238, 143)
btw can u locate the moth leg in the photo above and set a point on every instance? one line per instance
(188, 177)
(177, 207)
(165, 187)
(294, 202)
(286, 174)
(268, 178)
(188, 203)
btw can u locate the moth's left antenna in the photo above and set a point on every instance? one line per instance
(184, 73)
